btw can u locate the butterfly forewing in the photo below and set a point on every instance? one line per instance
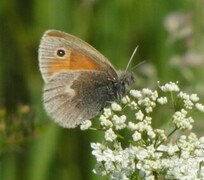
(78, 55)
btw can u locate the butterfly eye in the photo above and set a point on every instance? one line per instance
(61, 52)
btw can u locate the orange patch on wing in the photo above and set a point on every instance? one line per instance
(76, 61)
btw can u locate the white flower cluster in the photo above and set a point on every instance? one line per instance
(133, 149)
(185, 160)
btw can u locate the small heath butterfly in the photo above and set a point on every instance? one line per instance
(79, 81)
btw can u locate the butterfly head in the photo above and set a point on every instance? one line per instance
(125, 80)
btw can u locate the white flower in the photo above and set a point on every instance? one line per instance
(162, 148)
(135, 93)
(154, 96)
(119, 176)
(109, 166)
(188, 103)
(132, 126)
(133, 148)
(147, 103)
(147, 92)
(172, 149)
(119, 122)
(183, 95)
(125, 100)
(144, 102)
(139, 115)
(162, 100)
(148, 109)
(188, 143)
(85, 125)
(200, 107)
(110, 135)
(181, 121)
(148, 120)
(108, 155)
(185, 168)
(201, 140)
(99, 169)
(105, 122)
(161, 134)
(169, 87)
(136, 136)
(194, 97)
(116, 107)
(150, 177)
(107, 112)
(133, 105)
(150, 132)
(139, 152)
(97, 151)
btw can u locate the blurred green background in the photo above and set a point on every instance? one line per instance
(171, 42)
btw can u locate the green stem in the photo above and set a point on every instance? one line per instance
(172, 132)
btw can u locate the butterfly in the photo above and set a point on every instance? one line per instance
(78, 80)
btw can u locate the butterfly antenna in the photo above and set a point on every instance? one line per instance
(138, 64)
(131, 58)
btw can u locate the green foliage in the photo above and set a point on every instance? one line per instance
(16, 129)
(32, 148)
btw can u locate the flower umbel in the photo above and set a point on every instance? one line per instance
(133, 149)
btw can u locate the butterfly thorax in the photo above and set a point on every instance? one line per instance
(122, 84)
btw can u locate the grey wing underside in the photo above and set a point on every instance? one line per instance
(70, 98)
